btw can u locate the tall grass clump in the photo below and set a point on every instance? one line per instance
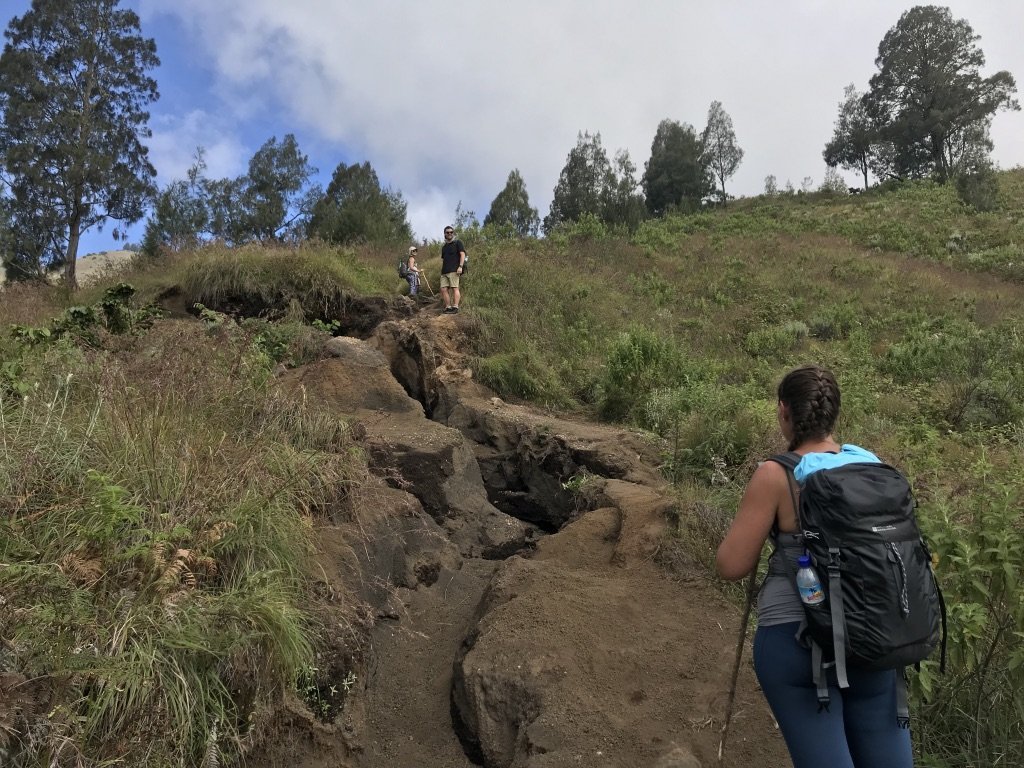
(319, 280)
(157, 495)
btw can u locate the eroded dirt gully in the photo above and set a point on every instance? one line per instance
(511, 623)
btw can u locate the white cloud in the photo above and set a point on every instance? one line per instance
(175, 139)
(426, 208)
(445, 98)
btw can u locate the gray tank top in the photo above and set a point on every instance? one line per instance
(778, 601)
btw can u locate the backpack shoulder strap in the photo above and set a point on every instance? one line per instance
(789, 459)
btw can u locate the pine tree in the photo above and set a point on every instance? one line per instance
(511, 208)
(73, 91)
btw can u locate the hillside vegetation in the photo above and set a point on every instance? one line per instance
(158, 495)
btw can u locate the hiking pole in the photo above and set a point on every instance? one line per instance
(427, 283)
(751, 584)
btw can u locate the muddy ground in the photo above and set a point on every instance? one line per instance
(522, 604)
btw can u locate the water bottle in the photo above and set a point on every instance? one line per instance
(807, 582)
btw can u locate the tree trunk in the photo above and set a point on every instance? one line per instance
(864, 170)
(939, 156)
(725, 197)
(71, 255)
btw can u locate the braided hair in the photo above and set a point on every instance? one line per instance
(812, 396)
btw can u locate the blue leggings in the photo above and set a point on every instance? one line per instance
(859, 729)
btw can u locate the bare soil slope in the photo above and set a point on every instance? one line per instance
(513, 624)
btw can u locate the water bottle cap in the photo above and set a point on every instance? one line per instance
(804, 561)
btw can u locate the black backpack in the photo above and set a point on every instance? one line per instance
(883, 607)
(403, 268)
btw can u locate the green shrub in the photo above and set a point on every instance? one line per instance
(521, 374)
(928, 352)
(652, 287)
(974, 714)
(834, 322)
(775, 341)
(979, 187)
(638, 361)
(709, 426)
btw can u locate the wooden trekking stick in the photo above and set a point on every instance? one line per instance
(751, 589)
(424, 276)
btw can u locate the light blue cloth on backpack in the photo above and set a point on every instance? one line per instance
(848, 454)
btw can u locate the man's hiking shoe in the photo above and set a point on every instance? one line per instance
(448, 310)
(454, 310)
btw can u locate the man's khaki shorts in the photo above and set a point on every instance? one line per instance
(450, 280)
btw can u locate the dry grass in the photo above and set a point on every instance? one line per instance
(158, 497)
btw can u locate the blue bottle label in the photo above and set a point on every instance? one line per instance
(811, 595)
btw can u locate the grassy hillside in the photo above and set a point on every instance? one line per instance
(919, 219)
(686, 328)
(152, 481)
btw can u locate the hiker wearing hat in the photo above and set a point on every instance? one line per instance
(412, 274)
(453, 257)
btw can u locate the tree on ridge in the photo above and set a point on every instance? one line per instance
(581, 183)
(855, 135)
(73, 91)
(722, 153)
(928, 98)
(511, 208)
(356, 208)
(677, 176)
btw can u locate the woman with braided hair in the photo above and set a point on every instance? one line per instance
(859, 729)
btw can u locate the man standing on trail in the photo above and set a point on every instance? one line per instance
(453, 256)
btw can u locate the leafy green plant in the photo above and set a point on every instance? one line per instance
(979, 187)
(974, 714)
(775, 341)
(638, 362)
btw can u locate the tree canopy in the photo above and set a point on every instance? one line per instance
(356, 208)
(581, 183)
(677, 176)
(274, 193)
(928, 99)
(853, 140)
(721, 152)
(73, 91)
(180, 213)
(273, 201)
(622, 200)
(511, 208)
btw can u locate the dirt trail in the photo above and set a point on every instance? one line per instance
(515, 623)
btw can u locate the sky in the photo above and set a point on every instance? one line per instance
(445, 97)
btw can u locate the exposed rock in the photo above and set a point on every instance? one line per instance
(436, 464)
(680, 757)
(432, 462)
(583, 651)
(530, 460)
(587, 654)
